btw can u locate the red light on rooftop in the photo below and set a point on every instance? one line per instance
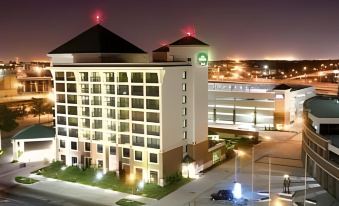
(97, 17)
(189, 31)
(164, 43)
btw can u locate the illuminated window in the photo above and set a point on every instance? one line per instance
(184, 99)
(184, 87)
(184, 75)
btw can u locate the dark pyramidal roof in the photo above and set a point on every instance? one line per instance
(97, 39)
(35, 132)
(189, 40)
(162, 49)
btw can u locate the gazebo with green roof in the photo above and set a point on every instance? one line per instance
(32, 135)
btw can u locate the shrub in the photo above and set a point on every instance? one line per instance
(176, 177)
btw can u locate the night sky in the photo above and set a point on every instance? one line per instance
(245, 29)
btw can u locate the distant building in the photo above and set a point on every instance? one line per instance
(320, 145)
(120, 112)
(256, 105)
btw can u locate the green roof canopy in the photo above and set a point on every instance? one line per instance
(35, 132)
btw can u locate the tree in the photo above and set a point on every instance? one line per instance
(37, 106)
(7, 120)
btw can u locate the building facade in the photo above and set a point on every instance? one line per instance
(259, 105)
(118, 111)
(320, 145)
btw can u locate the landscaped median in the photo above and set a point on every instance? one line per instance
(94, 177)
(25, 180)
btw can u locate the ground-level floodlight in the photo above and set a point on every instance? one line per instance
(99, 175)
(237, 191)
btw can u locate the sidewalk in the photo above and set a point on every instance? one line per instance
(85, 193)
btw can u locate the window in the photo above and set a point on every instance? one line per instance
(152, 104)
(110, 101)
(138, 103)
(85, 100)
(72, 99)
(125, 152)
(100, 163)
(184, 123)
(124, 127)
(72, 121)
(153, 158)
(60, 87)
(109, 76)
(138, 141)
(123, 90)
(153, 176)
(84, 88)
(185, 134)
(95, 77)
(60, 98)
(97, 136)
(137, 116)
(62, 131)
(110, 113)
(137, 77)
(152, 78)
(112, 150)
(186, 148)
(70, 76)
(183, 86)
(96, 88)
(138, 155)
(87, 146)
(153, 130)
(184, 111)
(73, 132)
(137, 90)
(184, 99)
(97, 124)
(123, 102)
(62, 144)
(111, 125)
(110, 89)
(184, 75)
(61, 109)
(73, 110)
(123, 77)
(61, 120)
(153, 143)
(97, 112)
(153, 117)
(74, 161)
(74, 145)
(96, 100)
(59, 76)
(111, 137)
(84, 76)
(152, 91)
(99, 148)
(85, 111)
(86, 123)
(138, 128)
(71, 88)
(124, 139)
(123, 114)
(63, 159)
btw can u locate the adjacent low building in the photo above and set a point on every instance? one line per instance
(256, 105)
(320, 145)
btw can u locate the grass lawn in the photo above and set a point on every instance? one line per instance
(108, 181)
(25, 180)
(127, 202)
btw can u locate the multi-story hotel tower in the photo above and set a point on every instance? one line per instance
(116, 110)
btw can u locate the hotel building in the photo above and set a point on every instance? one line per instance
(320, 145)
(256, 105)
(118, 111)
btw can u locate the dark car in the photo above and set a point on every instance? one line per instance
(222, 195)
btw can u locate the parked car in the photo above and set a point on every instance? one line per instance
(222, 195)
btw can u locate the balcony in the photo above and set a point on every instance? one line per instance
(84, 90)
(110, 89)
(138, 141)
(96, 89)
(97, 136)
(153, 130)
(97, 125)
(85, 102)
(153, 143)
(138, 128)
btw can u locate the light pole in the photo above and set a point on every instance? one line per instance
(252, 175)
(269, 180)
(305, 179)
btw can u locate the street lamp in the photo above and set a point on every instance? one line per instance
(287, 183)
(132, 179)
